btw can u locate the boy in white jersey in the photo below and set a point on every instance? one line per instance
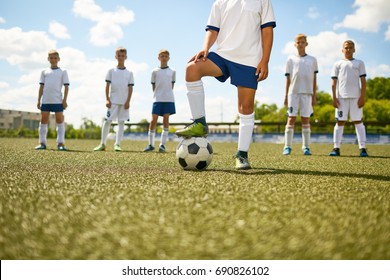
(349, 93)
(119, 88)
(243, 30)
(163, 80)
(301, 87)
(50, 99)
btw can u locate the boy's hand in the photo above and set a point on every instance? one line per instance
(361, 102)
(262, 71)
(200, 55)
(64, 104)
(336, 102)
(108, 103)
(286, 101)
(127, 105)
(39, 105)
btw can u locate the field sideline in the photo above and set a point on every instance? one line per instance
(132, 205)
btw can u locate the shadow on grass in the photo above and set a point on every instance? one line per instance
(268, 171)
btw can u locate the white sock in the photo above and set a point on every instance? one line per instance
(42, 133)
(151, 136)
(337, 135)
(305, 136)
(196, 99)
(361, 135)
(105, 130)
(288, 135)
(119, 133)
(247, 123)
(60, 133)
(164, 136)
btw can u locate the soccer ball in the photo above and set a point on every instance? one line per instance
(194, 153)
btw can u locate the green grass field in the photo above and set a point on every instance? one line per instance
(132, 205)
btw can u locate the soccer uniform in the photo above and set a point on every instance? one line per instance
(120, 80)
(53, 80)
(164, 100)
(348, 74)
(239, 24)
(301, 70)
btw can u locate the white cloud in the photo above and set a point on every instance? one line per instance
(369, 16)
(381, 70)
(2, 20)
(313, 13)
(4, 85)
(108, 27)
(20, 48)
(58, 30)
(387, 35)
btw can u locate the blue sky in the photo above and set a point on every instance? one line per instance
(86, 33)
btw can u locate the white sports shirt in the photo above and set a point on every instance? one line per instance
(53, 80)
(348, 74)
(301, 70)
(163, 78)
(120, 80)
(239, 23)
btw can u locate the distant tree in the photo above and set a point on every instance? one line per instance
(378, 88)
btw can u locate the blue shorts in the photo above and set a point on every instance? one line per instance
(163, 108)
(52, 108)
(240, 75)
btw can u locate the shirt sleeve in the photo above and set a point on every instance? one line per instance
(267, 14)
(214, 22)
(288, 67)
(153, 78)
(42, 78)
(65, 78)
(174, 76)
(362, 70)
(131, 79)
(335, 71)
(109, 76)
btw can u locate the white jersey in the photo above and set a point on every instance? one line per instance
(163, 78)
(239, 23)
(53, 80)
(120, 80)
(348, 74)
(302, 70)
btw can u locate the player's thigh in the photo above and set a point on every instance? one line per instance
(292, 105)
(196, 70)
(305, 105)
(45, 117)
(166, 120)
(246, 100)
(355, 113)
(342, 111)
(59, 117)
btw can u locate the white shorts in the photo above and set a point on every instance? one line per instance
(301, 102)
(117, 112)
(349, 106)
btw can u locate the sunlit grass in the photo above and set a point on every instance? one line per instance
(133, 205)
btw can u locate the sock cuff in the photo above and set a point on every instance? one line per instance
(165, 129)
(43, 124)
(290, 126)
(359, 125)
(151, 131)
(247, 117)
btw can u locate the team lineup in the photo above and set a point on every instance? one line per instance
(242, 32)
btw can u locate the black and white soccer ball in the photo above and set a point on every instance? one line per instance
(194, 153)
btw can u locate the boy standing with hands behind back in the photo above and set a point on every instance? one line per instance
(121, 82)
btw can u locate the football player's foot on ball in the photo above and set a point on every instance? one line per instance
(286, 151)
(149, 148)
(193, 130)
(101, 147)
(40, 147)
(306, 151)
(117, 148)
(363, 152)
(335, 152)
(61, 147)
(242, 163)
(161, 149)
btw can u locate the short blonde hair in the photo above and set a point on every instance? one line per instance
(53, 51)
(165, 51)
(349, 42)
(300, 36)
(121, 49)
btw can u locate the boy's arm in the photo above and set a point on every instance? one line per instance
(130, 93)
(335, 100)
(64, 100)
(362, 98)
(40, 93)
(267, 35)
(209, 40)
(314, 96)
(108, 101)
(288, 82)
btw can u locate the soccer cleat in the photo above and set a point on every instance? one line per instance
(286, 151)
(117, 148)
(306, 151)
(101, 147)
(193, 130)
(61, 148)
(40, 147)
(149, 148)
(363, 152)
(242, 163)
(161, 149)
(335, 152)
